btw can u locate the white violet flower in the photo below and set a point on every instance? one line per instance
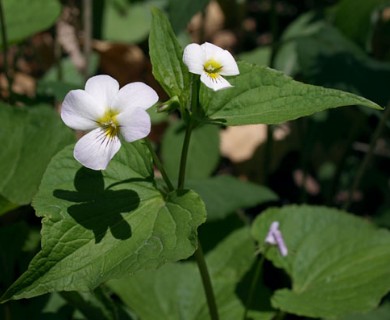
(211, 63)
(274, 237)
(107, 111)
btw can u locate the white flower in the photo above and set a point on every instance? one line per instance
(107, 111)
(211, 62)
(274, 237)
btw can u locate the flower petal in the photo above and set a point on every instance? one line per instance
(215, 84)
(80, 110)
(134, 124)
(135, 95)
(274, 237)
(211, 51)
(95, 149)
(194, 58)
(224, 57)
(229, 65)
(270, 236)
(280, 242)
(103, 88)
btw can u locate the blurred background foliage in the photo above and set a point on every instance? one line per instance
(53, 46)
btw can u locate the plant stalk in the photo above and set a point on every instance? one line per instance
(159, 165)
(367, 158)
(198, 254)
(206, 280)
(193, 113)
(253, 286)
(184, 155)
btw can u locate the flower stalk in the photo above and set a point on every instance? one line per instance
(200, 260)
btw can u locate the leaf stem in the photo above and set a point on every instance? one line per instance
(4, 40)
(252, 288)
(206, 280)
(159, 165)
(367, 158)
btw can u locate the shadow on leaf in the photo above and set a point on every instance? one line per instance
(97, 208)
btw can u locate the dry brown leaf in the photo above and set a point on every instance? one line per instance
(239, 143)
(23, 84)
(126, 63)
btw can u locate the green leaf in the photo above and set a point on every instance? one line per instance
(260, 56)
(338, 263)
(329, 59)
(167, 58)
(225, 194)
(99, 225)
(175, 291)
(286, 59)
(180, 12)
(91, 304)
(129, 23)
(52, 84)
(356, 26)
(263, 95)
(29, 138)
(69, 72)
(24, 18)
(382, 313)
(203, 153)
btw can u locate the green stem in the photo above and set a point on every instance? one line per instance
(195, 110)
(159, 165)
(198, 254)
(253, 286)
(184, 154)
(194, 113)
(208, 288)
(367, 158)
(4, 40)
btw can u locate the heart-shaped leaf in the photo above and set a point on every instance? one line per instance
(99, 225)
(338, 263)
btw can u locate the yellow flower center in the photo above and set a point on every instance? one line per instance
(212, 68)
(109, 123)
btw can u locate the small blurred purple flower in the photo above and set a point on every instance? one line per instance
(274, 237)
